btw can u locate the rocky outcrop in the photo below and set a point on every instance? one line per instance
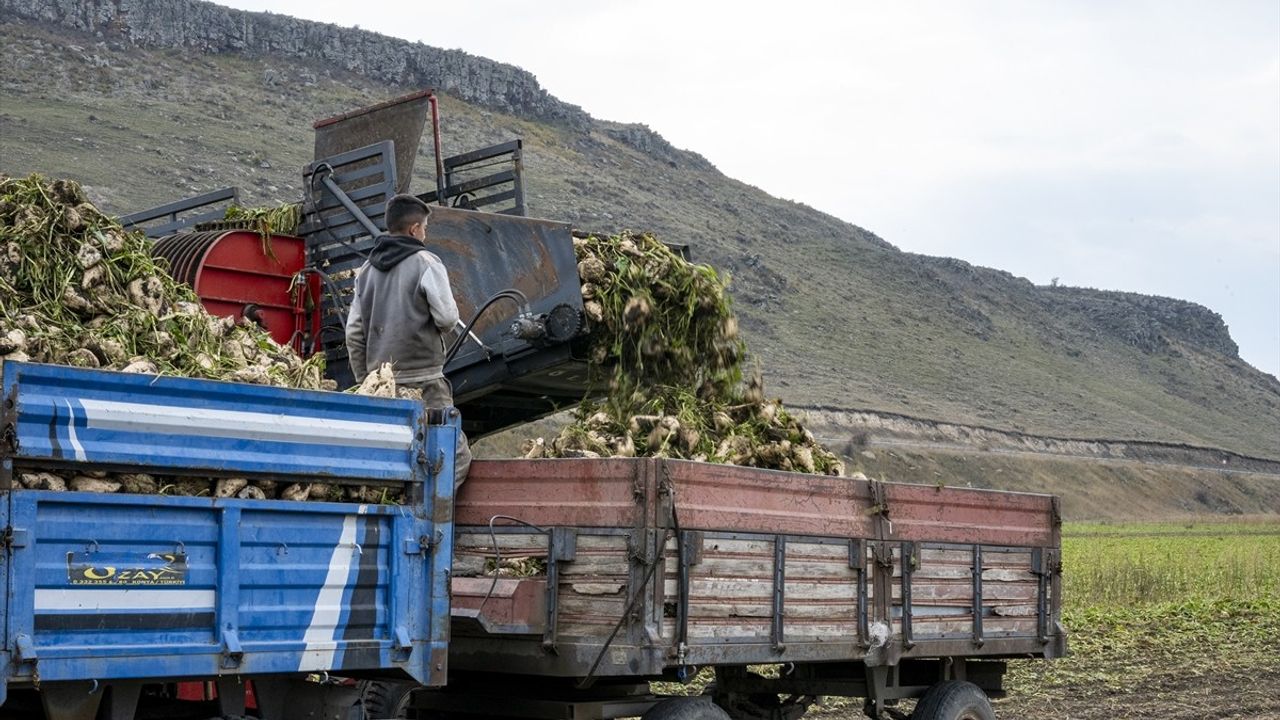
(640, 137)
(203, 27)
(1149, 323)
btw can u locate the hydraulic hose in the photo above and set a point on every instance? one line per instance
(510, 294)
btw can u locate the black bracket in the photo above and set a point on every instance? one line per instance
(858, 562)
(977, 596)
(779, 592)
(8, 437)
(690, 554)
(909, 562)
(562, 547)
(1046, 564)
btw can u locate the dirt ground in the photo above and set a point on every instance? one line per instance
(1231, 671)
(1232, 692)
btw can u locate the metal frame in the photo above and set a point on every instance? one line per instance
(170, 213)
(504, 186)
(342, 218)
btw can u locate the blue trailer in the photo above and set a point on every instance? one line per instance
(108, 596)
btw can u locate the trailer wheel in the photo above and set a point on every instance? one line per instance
(954, 700)
(384, 700)
(686, 708)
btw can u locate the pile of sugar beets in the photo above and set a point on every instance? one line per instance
(665, 342)
(77, 289)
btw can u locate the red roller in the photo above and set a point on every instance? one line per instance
(231, 273)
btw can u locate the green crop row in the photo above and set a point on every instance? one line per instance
(1120, 566)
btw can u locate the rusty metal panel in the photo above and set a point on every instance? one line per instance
(548, 493)
(400, 120)
(502, 605)
(729, 498)
(925, 513)
(514, 380)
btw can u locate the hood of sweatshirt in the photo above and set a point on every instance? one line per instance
(391, 249)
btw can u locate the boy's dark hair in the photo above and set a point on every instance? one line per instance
(404, 210)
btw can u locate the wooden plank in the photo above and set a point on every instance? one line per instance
(594, 588)
(468, 566)
(727, 547)
(995, 591)
(821, 632)
(1007, 574)
(1006, 558)
(481, 541)
(817, 551)
(1017, 626)
(929, 556)
(585, 543)
(721, 589)
(593, 606)
(736, 589)
(954, 572)
(757, 609)
(956, 625)
(761, 569)
(1015, 610)
(714, 630)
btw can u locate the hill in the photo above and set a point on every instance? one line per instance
(146, 101)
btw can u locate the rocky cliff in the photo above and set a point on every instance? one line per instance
(204, 28)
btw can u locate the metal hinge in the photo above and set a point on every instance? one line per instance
(882, 553)
(880, 504)
(232, 653)
(13, 537)
(26, 649)
(422, 545)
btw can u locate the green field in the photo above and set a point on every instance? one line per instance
(1170, 620)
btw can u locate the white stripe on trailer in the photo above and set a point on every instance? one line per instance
(141, 599)
(319, 638)
(71, 433)
(277, 427)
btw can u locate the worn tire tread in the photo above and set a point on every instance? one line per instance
(949, 700)
(381, 698)
(690, 708)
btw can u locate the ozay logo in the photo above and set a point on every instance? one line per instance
(153, 569)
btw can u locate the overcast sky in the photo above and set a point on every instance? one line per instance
(1125, 146)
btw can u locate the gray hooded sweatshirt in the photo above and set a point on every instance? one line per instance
(401, 307)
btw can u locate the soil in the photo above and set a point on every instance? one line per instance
(1174, 694)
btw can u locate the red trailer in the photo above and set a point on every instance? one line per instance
(633, 570)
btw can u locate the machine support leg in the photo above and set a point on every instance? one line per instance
(122, 701)
(71, 700)
(877, 682)
(230, 696)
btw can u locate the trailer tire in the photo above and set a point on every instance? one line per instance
(384, 699)
(686, 708)
(954, 700)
